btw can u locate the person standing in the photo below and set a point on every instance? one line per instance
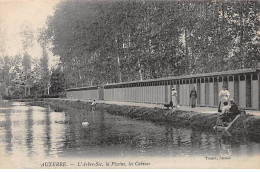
(174, 97)
(223, 97)
(193, 96)
(93, 105)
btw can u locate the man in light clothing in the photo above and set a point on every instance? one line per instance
(174, 98)
(93, 105)
(225, 113)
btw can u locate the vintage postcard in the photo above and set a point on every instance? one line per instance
(129, 84)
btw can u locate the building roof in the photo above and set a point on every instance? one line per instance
(82, 88)
(214, 74)
(223, 73)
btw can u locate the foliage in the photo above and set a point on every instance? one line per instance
(27, 34)
(57, 81)
(21, 77)
(101, 42)
(44, 70)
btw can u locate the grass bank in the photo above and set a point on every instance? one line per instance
(249, 124)
(26, 100)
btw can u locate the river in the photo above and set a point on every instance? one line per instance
(35, 131)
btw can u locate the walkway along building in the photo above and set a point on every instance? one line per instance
(243, 85)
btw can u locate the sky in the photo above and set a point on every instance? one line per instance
(14, 14)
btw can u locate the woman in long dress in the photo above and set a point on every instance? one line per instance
(174, 97)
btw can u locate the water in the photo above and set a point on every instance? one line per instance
(34, 131)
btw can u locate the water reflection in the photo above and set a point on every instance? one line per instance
(29, 130)
(8, 133)
(40, 131)
(224, 143)
(46, 132)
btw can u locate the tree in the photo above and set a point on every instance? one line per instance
(27, 40)
(101, 42)
(57, 81)
(2, 39)
(26, 72)
(27, 35)
(45, 77)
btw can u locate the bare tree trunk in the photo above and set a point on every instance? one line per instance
(187, 61)
(48, 90)
(119, 69)
(25, 86)
(25, 91)
(118, 59)
(140, 70)
(241, 49)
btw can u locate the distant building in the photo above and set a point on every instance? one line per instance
(243, 85)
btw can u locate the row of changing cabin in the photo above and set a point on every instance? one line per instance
(243, 86)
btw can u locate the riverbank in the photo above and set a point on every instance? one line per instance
(27, 100)
(248, 124)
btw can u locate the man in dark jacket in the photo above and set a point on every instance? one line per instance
(233, 110)
(193, 96)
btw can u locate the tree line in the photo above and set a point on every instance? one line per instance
(26, 77)
(101, 42)
(23, 76)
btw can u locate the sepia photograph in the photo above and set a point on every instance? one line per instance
(129, 84)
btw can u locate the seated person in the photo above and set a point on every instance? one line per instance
(233, 110)
(169, 105)
(225, 117)
(225, 108)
